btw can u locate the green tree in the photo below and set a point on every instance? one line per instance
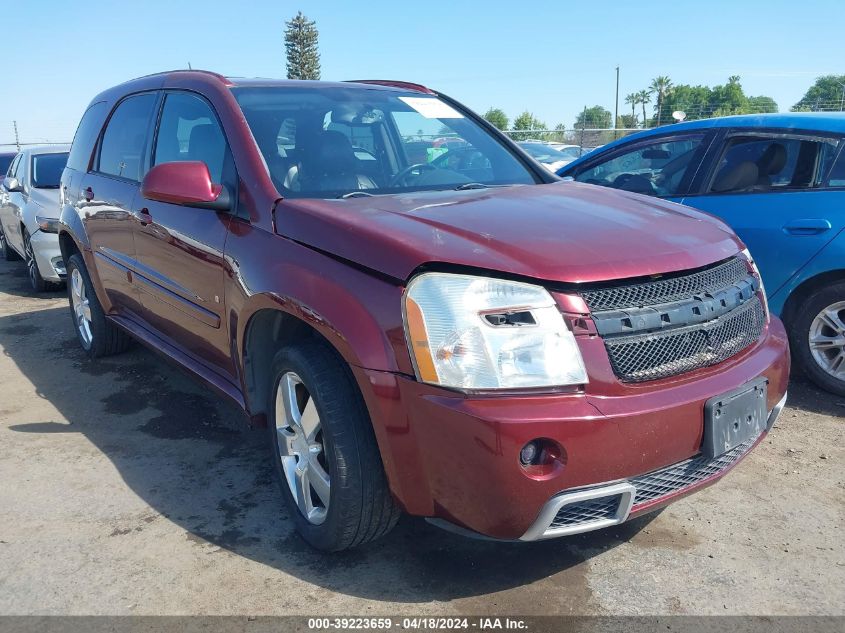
(827, 93)
(497, 117)
(699, 102)
(633, 100)
(661, 86)
(559, 135)
(761, 104)
(525, 124)
(694, 101)
(626, 121)
(728, 99)
(596, 117)
(301, 47)
(645, 98)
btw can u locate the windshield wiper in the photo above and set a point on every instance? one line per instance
(480, 185)
(355, 194)
(471, 185)
(46, 186)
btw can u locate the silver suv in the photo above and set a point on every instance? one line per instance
(29, 212)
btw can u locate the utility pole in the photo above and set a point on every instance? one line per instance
(583, 126)
(17, 140)
(616, 112)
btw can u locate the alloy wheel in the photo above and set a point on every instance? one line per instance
(827, 339)
(81, 307)
(299, 435)
(31, 264)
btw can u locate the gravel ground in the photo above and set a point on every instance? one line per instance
(127, 488)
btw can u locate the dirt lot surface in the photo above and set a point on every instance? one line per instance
(127, 488)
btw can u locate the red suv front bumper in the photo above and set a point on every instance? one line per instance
(456, 457)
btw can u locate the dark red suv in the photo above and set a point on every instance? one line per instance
(470, 341)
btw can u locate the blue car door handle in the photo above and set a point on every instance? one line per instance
(807, 226)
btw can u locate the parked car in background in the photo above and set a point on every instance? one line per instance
(5, 161)
(569, 151)
(587, 150)
(545, 154)
(29, 213)
(779, 181)
(474, 350)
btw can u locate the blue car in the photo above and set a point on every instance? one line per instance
(779, 181)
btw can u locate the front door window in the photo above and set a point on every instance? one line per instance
(658, 168)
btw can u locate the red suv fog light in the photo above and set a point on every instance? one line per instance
(541, 457)
(529, 453)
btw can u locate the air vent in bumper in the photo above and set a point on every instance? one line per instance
(606, 505)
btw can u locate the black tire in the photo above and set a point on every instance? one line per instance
(9, 253)
(361, 507)
(38, 283)
(106, 337)
(799, 336)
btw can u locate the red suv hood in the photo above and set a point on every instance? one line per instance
(565, 232)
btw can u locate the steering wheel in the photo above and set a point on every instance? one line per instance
(634, 183)
(400, 179)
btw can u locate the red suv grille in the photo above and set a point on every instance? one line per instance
(667, 289)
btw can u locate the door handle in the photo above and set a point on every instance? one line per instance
(88, 194)
(807, 226)
(144, 217)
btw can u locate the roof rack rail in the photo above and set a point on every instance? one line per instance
(407, 85)
(183, 70)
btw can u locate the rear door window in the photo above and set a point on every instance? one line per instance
(769, 163)
(661, 167)
(124, 140)
(836, 178)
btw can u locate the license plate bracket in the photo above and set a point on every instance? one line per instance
(734, 417)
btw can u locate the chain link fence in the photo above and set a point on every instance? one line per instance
(16, 147)
(586, 138)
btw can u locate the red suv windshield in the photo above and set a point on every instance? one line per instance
(330, 142)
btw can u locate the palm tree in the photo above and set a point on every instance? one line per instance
(633, 100)
(661, 85)
(645, 97)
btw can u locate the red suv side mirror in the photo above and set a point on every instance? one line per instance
(187, 183)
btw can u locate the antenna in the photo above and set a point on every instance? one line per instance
(17, 140)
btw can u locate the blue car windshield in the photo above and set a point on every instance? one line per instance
(5, 161)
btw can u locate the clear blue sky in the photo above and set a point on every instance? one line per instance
(551, 58)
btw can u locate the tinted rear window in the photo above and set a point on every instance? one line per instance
(86, 136)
